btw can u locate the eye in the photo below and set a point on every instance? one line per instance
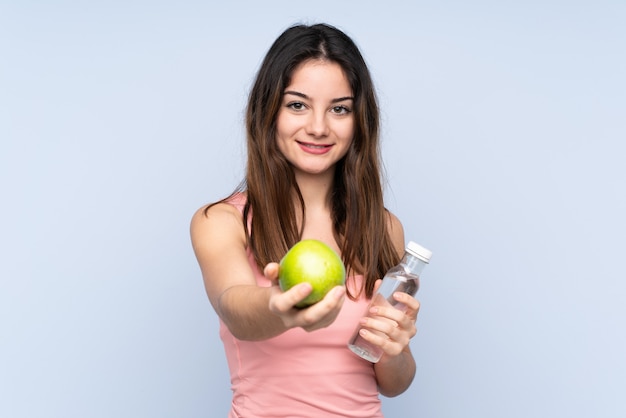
(341, 110)
(296, 106)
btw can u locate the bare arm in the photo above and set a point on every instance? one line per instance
(249, 311)
(396, 369)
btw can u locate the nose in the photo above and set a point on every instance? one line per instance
(317, 125)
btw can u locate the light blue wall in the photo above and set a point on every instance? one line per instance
(504, 129)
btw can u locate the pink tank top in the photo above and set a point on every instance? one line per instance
(302, 374)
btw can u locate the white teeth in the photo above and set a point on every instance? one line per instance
(315, 146)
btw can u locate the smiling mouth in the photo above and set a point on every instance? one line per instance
(314, 146)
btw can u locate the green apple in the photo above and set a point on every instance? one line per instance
(314, 262)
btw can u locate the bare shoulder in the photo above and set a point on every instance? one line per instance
(220, 212)
(396, 232)
(219, 223)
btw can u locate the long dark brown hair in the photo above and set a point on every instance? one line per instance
(359, 217)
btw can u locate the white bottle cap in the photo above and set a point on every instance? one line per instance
(418, 251)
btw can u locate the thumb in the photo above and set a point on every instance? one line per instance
(271, 271)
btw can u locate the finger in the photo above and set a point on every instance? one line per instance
(407, 300)
(328, 307)
(334, 296)
(323, 313)
(332, 300)
(396, 324)
(284, 301)
(389, 313)
(381, 325)
(271, 271)
(392, 336)
(381, 340)
(412, 305)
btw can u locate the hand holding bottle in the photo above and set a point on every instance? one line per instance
(391, 314)
(388, 327)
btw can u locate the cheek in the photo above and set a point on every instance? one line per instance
(282, 133)
(346, 148)
(348, 136)
(347, 133)
(285, 127)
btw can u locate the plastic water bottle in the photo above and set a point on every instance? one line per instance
(401, 278)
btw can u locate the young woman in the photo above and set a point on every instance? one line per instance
(313, 171)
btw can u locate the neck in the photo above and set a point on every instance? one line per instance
(316, 193)
(315, 189)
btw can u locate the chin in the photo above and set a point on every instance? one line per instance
(313, 170)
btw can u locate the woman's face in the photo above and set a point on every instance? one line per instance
(315, 124)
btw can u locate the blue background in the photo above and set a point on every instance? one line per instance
(503, 135)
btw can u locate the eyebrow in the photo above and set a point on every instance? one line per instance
(304, 96)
